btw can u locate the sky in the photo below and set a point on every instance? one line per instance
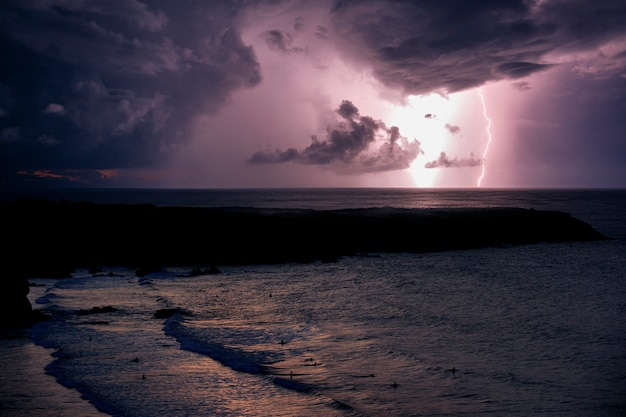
(313, 93)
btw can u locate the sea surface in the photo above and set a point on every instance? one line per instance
(508, 331)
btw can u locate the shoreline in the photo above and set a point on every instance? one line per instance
(29, 390)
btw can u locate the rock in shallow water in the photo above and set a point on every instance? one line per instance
(15, 308)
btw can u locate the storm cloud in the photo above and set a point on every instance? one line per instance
(282, 42)
(89, 87)
(116, 84)
(454, 129)
(445, 162)
(354, 144)
(423, 46)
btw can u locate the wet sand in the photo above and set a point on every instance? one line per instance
(28, 391)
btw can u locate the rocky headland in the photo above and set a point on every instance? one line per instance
(51, 238)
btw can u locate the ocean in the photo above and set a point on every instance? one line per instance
(519, 330)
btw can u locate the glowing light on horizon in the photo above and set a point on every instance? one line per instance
(422, 118)
(489, 139)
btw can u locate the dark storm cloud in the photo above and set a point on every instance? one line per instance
(354, 144)
(54, 108)
(445, 162)
(118, 84)
(282, 42)
(522, 85)
(299, 24)
(519, 69)
(105, 85)
(424, 46)
(321, 33)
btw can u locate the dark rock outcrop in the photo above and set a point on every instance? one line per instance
(15, 308)
(145, 270)
(53, 234)
(50, 239)
(97, 310)
(166, 313)
(213, 270)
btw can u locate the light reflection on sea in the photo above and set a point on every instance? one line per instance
(526, 329)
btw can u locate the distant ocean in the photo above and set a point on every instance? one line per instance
(592, 205)
(525, 330)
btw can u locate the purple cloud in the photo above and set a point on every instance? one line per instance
(421, 47)
(445, 162)
(354, 144)
(453, 129)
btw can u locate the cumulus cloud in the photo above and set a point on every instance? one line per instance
(445, 162)
(354, 144)
(453, 128)
(522, 85)
(282, 42)
(54, 108)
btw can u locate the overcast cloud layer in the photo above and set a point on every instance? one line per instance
(90, 87)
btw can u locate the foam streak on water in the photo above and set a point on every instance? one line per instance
(529, 331)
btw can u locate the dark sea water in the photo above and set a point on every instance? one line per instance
(528, 330)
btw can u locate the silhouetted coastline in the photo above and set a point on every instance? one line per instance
(51, 238)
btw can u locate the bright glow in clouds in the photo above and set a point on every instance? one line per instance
(482, 100)
(424, 118)
(450, 130)
(236, 94)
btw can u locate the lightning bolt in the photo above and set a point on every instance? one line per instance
(482, 100)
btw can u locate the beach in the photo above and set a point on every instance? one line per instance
(529, 328)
